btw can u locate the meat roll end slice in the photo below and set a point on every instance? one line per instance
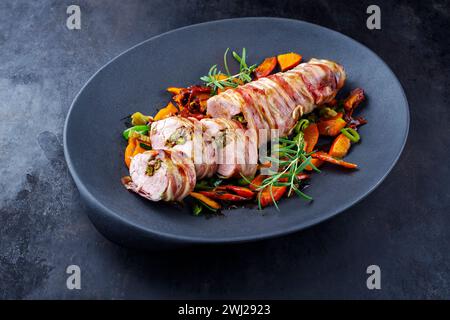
(161, 175)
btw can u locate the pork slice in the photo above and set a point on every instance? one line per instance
(151, 187)
(171, 180)
(224, 105)
(224, 132)
(173, 133)
(250, 110)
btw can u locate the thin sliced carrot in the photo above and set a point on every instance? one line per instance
(316, 163)
(174, 90)
(209, 202)
(130, 150)
(327, 158)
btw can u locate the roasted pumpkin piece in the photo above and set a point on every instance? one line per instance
(311, 136)
(340, 146)
(165, 112)
(288, 60)
(266, 67)
(331, 126)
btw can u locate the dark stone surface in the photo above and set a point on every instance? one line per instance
(402, 226)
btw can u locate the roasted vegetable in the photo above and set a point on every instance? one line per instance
(175, 90)
(139, 149)
(166, 112)
(138, 118)
(205, 200)
(288, 60)
(316, 163)
(197, 208)
(311, 136)
(327, 112)
(266, 67)
(132, 142)
(240, 191)
(327, 158)
(301, 176)
(271, 194)
(142, 129)
(351, 133)
(222, 195)
(340, 146)
(353, 100)
(256, 182)
(301, 125)
(331, 126)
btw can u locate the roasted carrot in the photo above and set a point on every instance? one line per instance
(256, 182)
(240, 191)
(138, 149)
(222, 195)
(301, 176)
(311, 136)
(265, 197)
(266, 67)
(340, 146)
(331, 126)
(209, 202)
(132, 142)
(327, 158)
(174, 90)
(165, 112)
(288, 60)
(316, 163)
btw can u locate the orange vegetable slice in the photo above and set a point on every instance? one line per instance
(174, 90)
(340, 146)
(165, 112)
(311, 136)
(266, 67)
(256, 182)
(331, 126)
(316, 163)
(288, 60)
(130, 150)
(211, 203)
(327, 158)
(265, 197)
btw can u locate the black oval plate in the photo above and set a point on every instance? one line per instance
(136, 81)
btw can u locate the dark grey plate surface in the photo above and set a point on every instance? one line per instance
(135, 81)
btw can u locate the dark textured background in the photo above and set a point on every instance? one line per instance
(403, 226)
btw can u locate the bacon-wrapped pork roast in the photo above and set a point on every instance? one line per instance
(277, 101)
(186, 149)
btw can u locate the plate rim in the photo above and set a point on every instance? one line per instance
(87, 195)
